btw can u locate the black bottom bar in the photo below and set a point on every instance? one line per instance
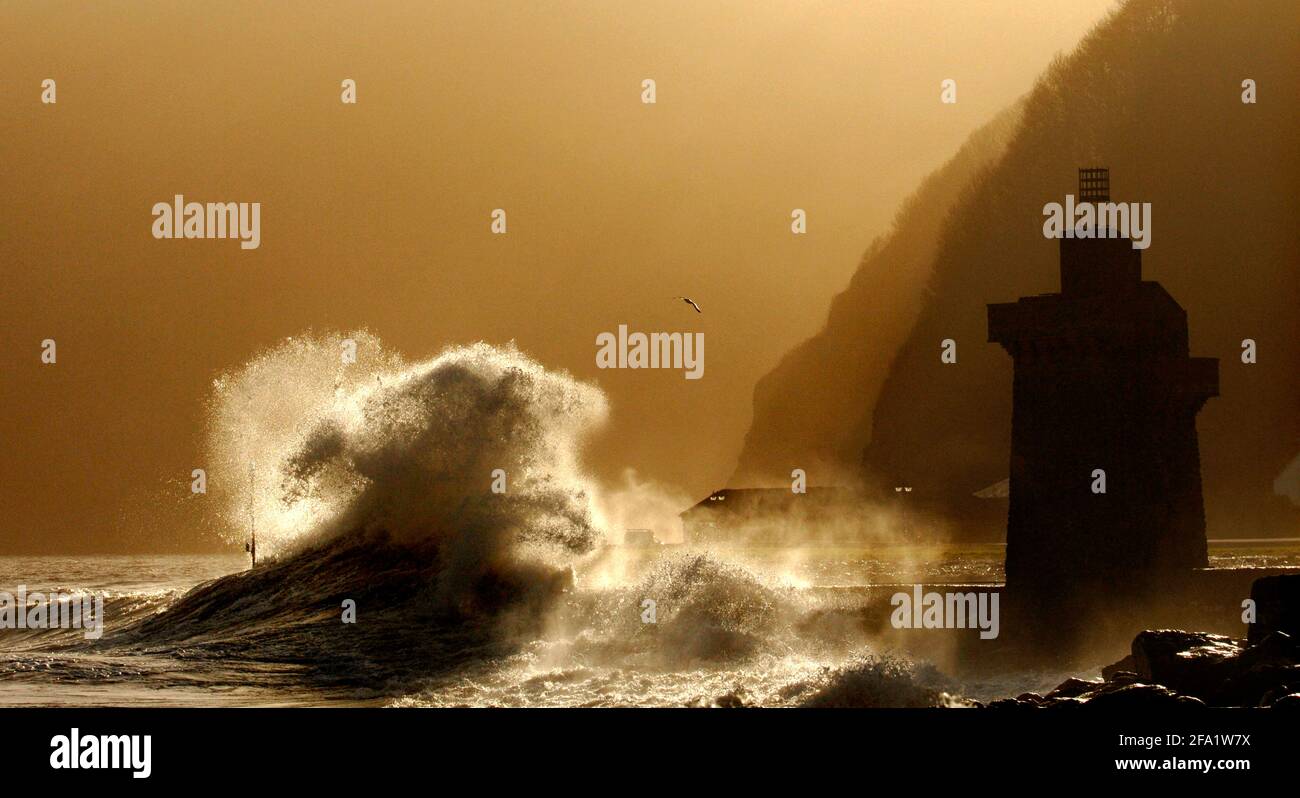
(677, 748)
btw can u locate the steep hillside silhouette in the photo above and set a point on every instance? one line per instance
(809, 410)
(1154, 93)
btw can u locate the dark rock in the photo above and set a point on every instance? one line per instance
(1275, 648)
(1277, 606)
(1248, 687)
(1122, 678)
(1272, 696)
(1142, 696)
(1011, 703)
(1170, 667)
(1126, 665)
(729, 701)
(1287, 702)
(1058, 703)
(1176, 668)
(1193, 663)
(1073, 688)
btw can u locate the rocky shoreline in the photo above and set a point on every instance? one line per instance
(1170, 667)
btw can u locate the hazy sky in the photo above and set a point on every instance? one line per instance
(377, 214)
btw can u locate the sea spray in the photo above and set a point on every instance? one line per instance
(407, 451)
(374, 483)
(707, 610)
(711, 610)
(258, 415)
(877, 680)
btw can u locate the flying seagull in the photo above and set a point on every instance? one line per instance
(690, 302)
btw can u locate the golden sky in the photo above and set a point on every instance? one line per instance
(377, 214)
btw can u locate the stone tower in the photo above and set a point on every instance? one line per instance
(1103, 380)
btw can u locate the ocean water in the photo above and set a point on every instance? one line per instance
(754, 626)
(369, 487)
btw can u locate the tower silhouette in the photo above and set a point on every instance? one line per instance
(1103, 384)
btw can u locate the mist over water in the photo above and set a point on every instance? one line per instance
(371, 482)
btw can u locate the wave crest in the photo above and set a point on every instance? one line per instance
(310, 447)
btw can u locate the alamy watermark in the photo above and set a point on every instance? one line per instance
(969, 610)
(181, 219)
(658, 350)
(1131, 220)
(74, 750)
(53, 611)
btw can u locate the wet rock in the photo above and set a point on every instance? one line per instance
(1275, 648)
(729, 701)
(1170, 667)
(1066, 702)
(1248, 687)
(1011, 703)
(1073, 688)
(1277, 605)
(1142, 696)
(1122, 678)
(1212, 668)
(1192, 663)
(1126, 665)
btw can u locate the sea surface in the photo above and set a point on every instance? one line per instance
(740, 626)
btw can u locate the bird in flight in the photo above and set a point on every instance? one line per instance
(690, 302)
